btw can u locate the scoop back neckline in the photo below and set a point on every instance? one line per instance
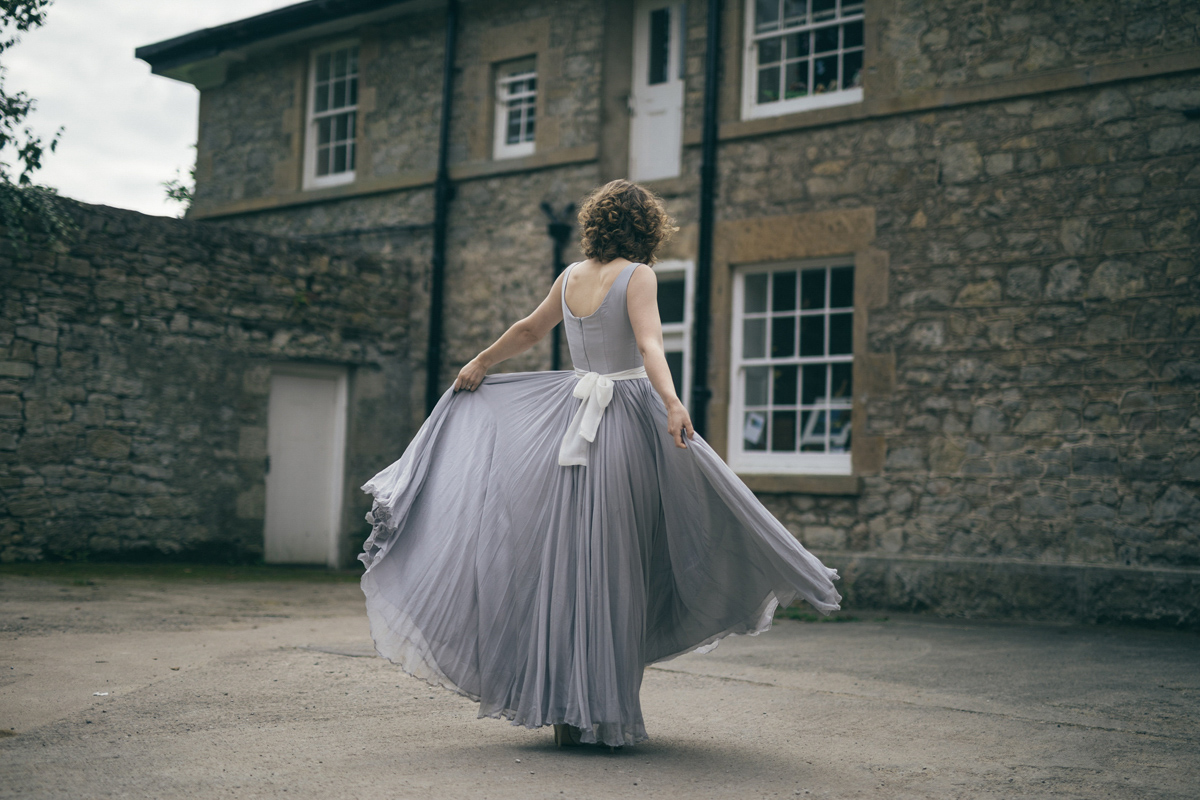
(606, 294)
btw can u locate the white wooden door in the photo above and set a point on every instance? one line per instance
(656, 103)
(306, 440)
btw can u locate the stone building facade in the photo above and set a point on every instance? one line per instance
(1013, 188)
(138, 369)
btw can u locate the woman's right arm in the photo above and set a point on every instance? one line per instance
(521, 335)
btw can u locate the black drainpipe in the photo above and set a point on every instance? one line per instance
(701, 393)
(443, 190)
(559, 231)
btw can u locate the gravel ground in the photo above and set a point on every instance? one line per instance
(182, 686)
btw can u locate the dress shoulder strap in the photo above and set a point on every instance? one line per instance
(621, 284)
(627, 274)
(566, 275)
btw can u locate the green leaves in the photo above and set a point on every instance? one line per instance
(25, 208)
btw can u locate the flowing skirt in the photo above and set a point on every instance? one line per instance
(542, 591)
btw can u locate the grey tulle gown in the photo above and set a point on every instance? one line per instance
(542, 591)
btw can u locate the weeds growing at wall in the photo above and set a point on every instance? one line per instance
(33, 211)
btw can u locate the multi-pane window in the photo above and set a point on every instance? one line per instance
(333, 112)
(675, 313)
(793, 364)
(516, 108)
(802, 54)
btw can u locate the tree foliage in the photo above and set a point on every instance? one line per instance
(23, 202)
(180, 192)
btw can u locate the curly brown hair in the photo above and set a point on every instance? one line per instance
(623, 220)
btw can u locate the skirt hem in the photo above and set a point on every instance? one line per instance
(412, 648)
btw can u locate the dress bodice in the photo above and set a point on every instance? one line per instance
(603, 341)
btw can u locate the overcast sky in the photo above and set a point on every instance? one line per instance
(126, 131)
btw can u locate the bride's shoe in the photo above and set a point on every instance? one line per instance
(566, 735)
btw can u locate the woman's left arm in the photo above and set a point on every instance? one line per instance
(647, 328)
(521, 335)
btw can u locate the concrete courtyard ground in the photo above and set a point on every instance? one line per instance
(160, 683)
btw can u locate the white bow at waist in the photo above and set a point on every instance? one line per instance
(596, 391)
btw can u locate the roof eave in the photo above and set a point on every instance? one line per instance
(200, 57)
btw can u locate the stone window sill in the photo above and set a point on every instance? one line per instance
(804, 484)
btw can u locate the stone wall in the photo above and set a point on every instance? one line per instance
(1044, 288)
(240, 156)
(402, 123)
(135, 363)
(499, 260)
(945, 44)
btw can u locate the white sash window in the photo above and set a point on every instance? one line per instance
(332, 116)
(516, 109)
(800, 55)
(793, 331)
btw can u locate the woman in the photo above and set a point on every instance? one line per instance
(548, 534)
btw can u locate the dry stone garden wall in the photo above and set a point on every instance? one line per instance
(135, 364)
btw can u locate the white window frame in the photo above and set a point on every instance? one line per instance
(767, 463)
(500, 145)
(677, 336)
(311, 179)
(751, 108)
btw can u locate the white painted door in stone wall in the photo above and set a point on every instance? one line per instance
(656, 103)
(306, 444)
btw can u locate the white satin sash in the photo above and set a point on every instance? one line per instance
(596, 391)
